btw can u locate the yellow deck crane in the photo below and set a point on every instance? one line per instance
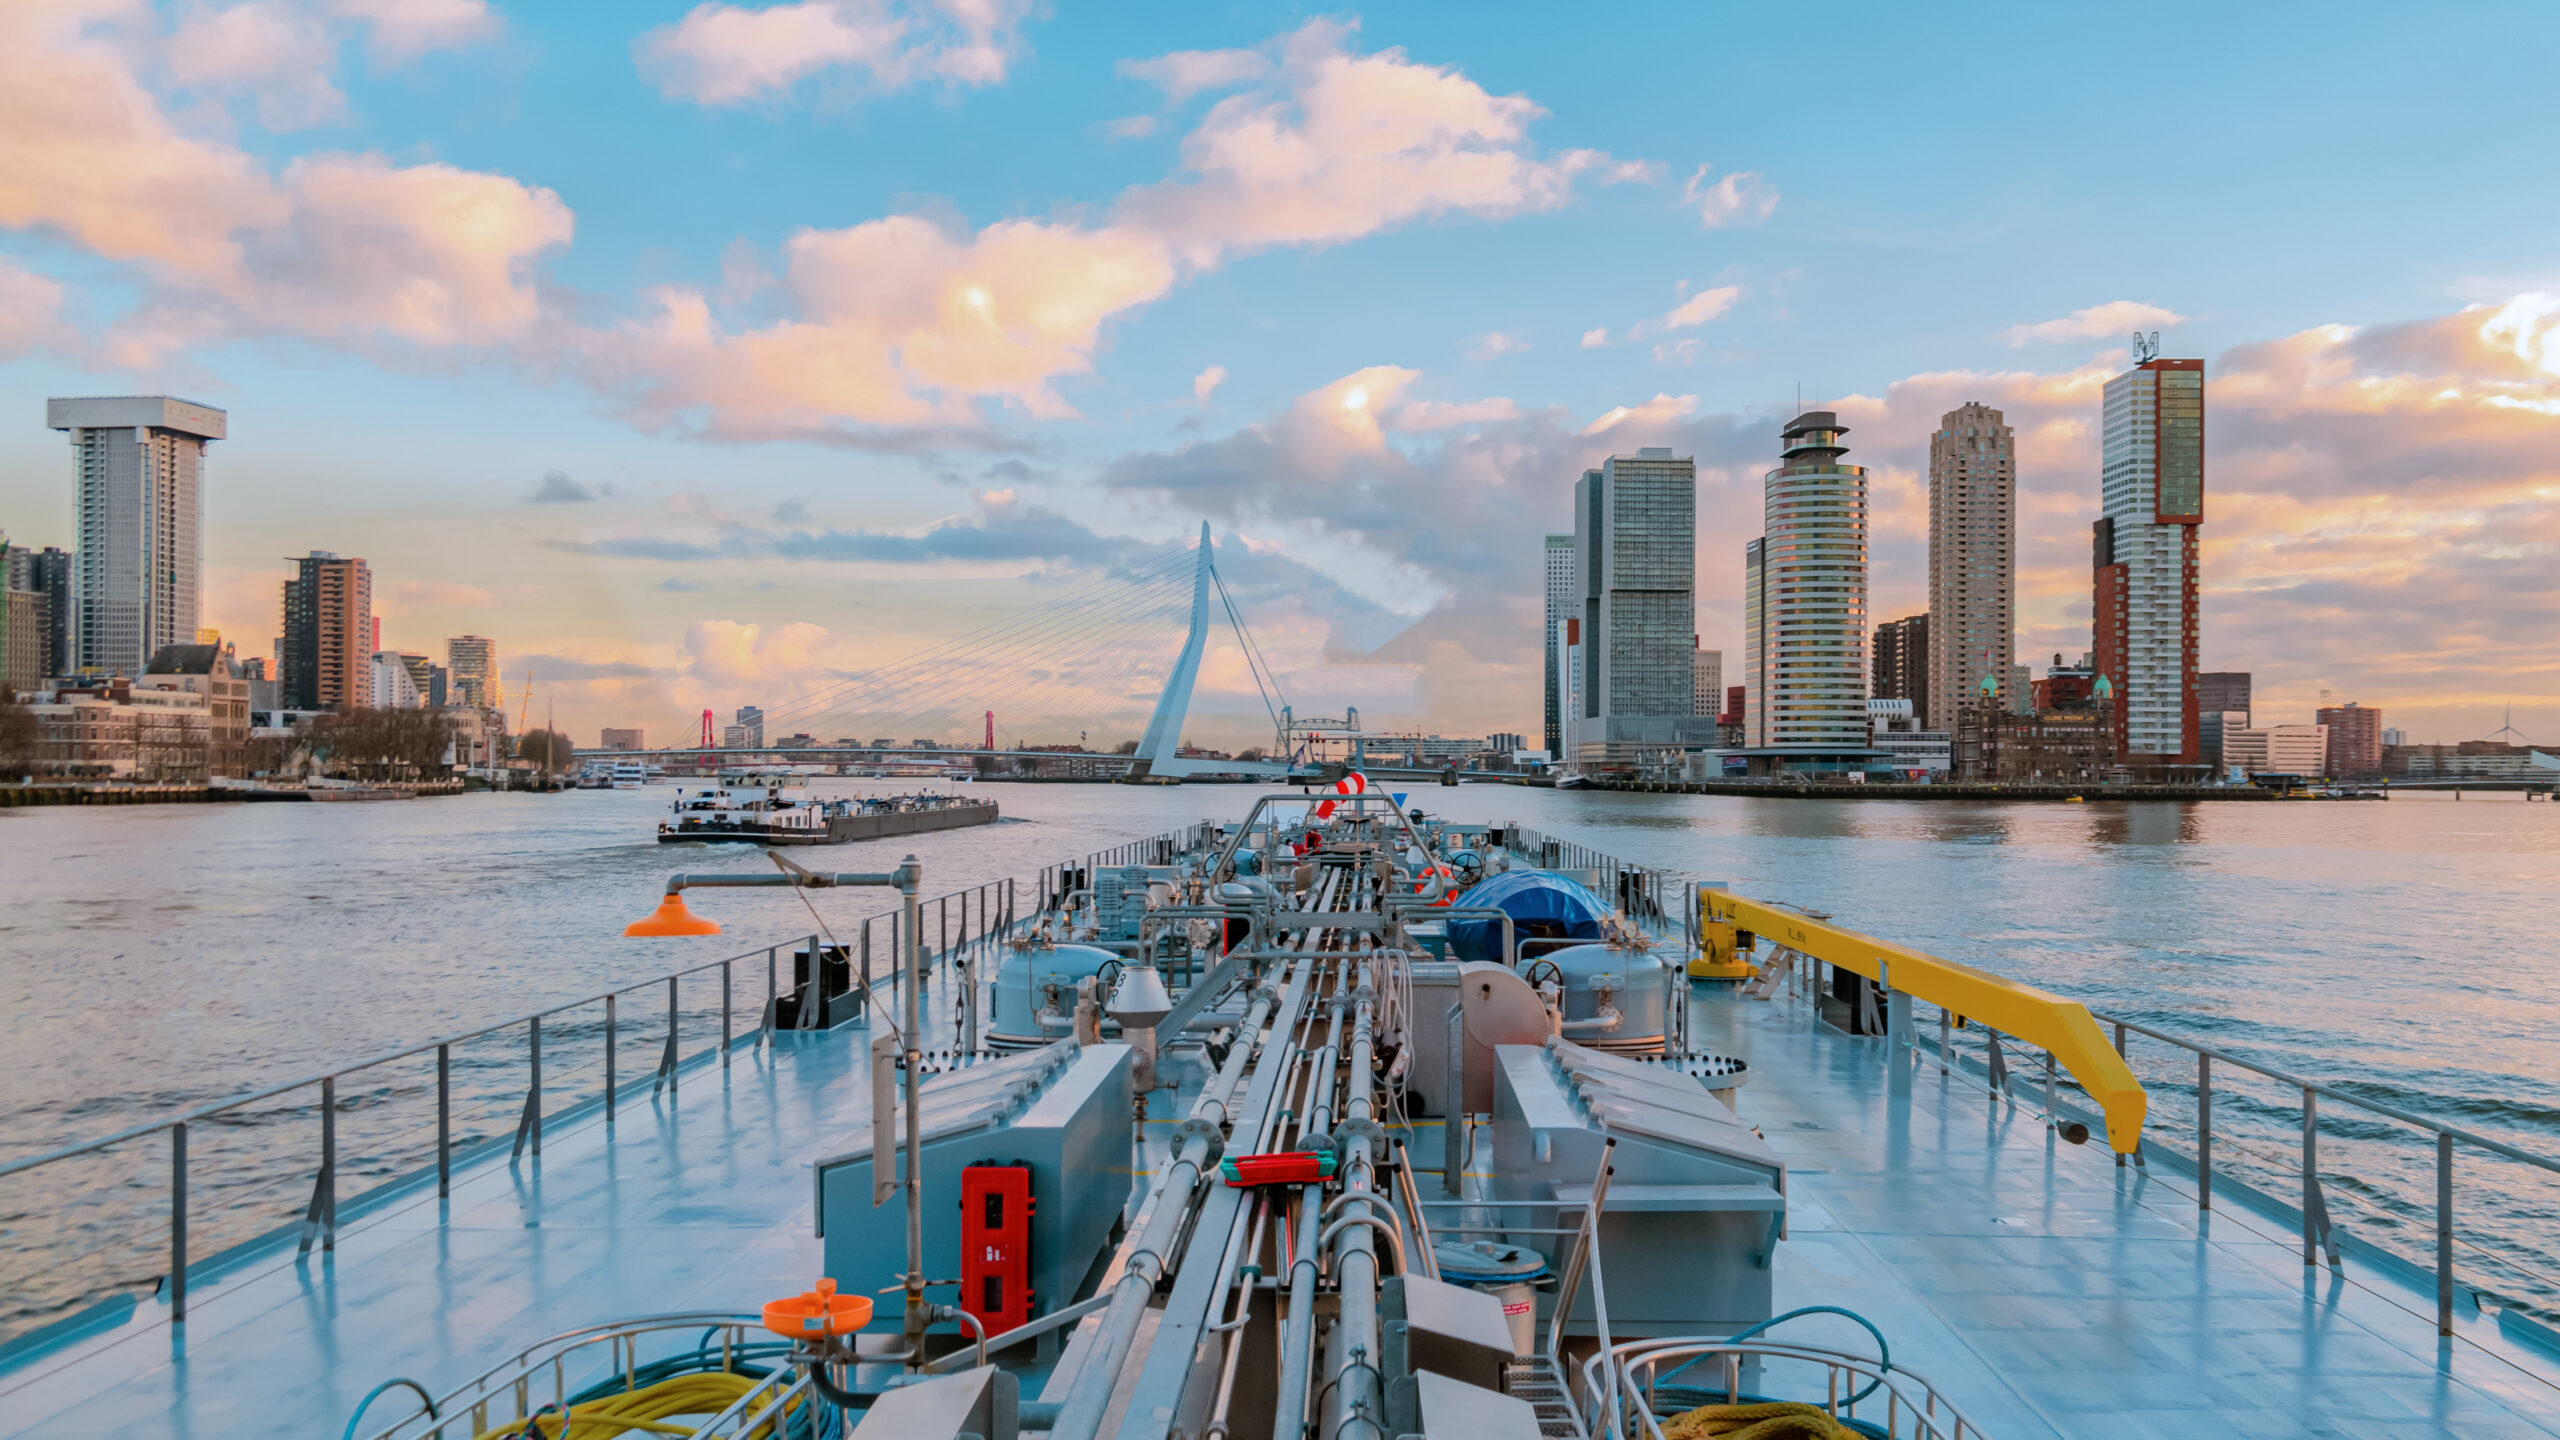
(1730, 924)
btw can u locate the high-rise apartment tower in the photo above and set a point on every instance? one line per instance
(1973, 562)
(2355, 740)
(1809, 692)
(1899, 669)
(47, 573)
(2144, 562)
(1560, 605)
(1636, 566)
(328, 634)
(138, 577)
(472, 661)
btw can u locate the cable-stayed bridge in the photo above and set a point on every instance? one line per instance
(1093, 660)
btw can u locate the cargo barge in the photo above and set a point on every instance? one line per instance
(756, 809)
(1325, 1121)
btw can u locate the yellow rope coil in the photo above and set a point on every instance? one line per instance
(1766, 1420)
(647, 1409)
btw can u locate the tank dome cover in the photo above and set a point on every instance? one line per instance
(1540, 903)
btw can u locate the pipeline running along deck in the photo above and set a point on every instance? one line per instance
(1325, 991)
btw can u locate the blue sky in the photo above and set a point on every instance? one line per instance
(425, 256)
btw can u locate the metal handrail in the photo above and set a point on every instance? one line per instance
(513, 1379)
(2319, 1234)
(253, 1097)
(2468, 1137)
(1632, 1366)
(319, 1224)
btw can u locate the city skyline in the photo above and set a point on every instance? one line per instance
(1371, 369)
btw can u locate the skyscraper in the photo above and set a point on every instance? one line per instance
(1560, 604)
(1755, 649)
(1706, 684)
(137, 582)
(2222, 691)
(1900, 669)
(751, 724)
(472, 660)
(2144, 562)
(1635, 566)
(47, 573)
(1809, 695)
(328, 634)
(1973, 562)
(2355, 740)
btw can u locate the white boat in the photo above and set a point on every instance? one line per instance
(629, 775)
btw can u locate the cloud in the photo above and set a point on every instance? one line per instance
(1692, 311)
(266, 49)
(904, 326)
(728, 652)
(557, 669)
(1676, 352)
(641, 547)
(30, 313)
(557, 488)
(1342, 145)
(1206, 383)
(1495, 343)
(678, 585)
(448, 593)
(1743, 197)
(1700, 308)
(336, 247)
(2111, 321)
(1659, 411)
(1595, 337)
(899, 321)
(1426, 415)
(1129, 127)
(281, 55)
(1186, 73)
(402, 30)
(732, 54)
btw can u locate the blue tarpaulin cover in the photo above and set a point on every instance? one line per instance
(1539, 902)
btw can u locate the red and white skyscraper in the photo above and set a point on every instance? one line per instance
(2152, 478)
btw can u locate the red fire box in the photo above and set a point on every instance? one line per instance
(995, 1245)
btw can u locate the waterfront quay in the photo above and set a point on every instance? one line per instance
(1956, 790)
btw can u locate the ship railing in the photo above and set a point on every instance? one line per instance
(2261, 1102)
(1643, 892)
(2323, 1236)
(1647, 1380)
(224, 1191)
(541, 1380)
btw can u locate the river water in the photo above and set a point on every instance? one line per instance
(157, 958)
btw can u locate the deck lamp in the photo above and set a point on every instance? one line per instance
(669, 920)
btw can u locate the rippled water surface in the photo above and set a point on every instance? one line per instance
(157, 958)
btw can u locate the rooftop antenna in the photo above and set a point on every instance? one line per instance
(2146, 350)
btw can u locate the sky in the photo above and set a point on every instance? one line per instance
(724, 354)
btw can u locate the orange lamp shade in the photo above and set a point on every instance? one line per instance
(820, 1312)
(671, 918)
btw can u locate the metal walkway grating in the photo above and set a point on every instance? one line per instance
(1536, 1381)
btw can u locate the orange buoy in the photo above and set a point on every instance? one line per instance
(820, 1312)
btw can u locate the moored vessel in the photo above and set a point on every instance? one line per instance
(774, 807)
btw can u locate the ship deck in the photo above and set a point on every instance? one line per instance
(2046, 1291)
